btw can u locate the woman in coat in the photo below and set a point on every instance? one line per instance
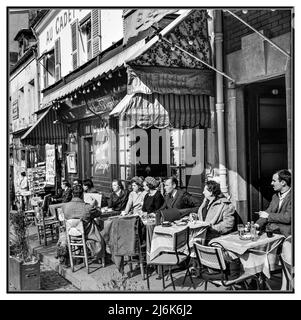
(217, 210)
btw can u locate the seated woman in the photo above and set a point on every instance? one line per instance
(153, 199)
(77, 209)
(216, 210)
(136, 197)
(119, 197)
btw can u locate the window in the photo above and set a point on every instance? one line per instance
(124, 153)
(85, 40)
(48, 68)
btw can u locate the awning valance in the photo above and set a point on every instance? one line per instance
(45, 131)
(161, 110)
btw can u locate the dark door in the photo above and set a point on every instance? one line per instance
(267, 139)
(87, 161)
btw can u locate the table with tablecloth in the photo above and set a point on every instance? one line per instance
(163, 237)
(255, 256)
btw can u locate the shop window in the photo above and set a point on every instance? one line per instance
(124, 154)
(85, 41)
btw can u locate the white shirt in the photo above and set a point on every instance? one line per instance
(282, 196)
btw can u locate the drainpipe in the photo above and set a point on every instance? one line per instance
(220, 107)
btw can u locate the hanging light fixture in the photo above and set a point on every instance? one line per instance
(71, 99)
(84, 91)
(245, 11)
(94, 88)
(119, 74)
(110, 75)
(88, 90)
(99, 83)
(75, 96)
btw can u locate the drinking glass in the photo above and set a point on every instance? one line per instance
(240, 229)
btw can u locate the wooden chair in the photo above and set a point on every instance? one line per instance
(46, 226)
(287, 268)
(175, 258)
(214, 268)
(76, 241)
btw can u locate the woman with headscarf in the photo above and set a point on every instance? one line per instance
(153, 200)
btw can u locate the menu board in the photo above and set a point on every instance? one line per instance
(37, 178)
(50, 164)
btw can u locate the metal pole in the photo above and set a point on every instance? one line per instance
(220, 109)
(260, 34)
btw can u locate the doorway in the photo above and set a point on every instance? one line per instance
(267, 139)
(87, 157)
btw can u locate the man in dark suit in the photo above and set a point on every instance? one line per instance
(178, 199)
(277, 216)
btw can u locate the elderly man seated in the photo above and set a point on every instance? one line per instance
(78, 209)
(277, 216)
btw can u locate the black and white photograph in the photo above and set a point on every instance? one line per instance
(150, 150)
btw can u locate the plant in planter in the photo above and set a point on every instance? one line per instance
(24, 268)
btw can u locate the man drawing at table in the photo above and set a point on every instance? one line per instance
(278, 215)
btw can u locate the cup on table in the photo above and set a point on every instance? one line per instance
(241, 229)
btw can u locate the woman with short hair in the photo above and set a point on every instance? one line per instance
(153, 199)
(136, 197)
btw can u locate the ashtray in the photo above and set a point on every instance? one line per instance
(246, 236)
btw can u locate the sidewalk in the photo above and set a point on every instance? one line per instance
(108, 279)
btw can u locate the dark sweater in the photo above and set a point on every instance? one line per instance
(152, 203)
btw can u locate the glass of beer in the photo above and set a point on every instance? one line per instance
(241, 229)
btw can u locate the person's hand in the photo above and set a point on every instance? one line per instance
(263, 214)
(122, 213)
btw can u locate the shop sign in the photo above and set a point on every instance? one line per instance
(50, 164)
(169, 80)
(142, 19)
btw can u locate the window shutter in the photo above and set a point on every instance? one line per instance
(57, 59)
(96, 32)
(74, 42)
(45, 76)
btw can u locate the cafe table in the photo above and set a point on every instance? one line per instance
(256, 256)
(163, 237)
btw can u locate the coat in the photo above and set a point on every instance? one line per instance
(221, 217)
(118, 203)
(78, 209)
(278, 220)
(182, 201)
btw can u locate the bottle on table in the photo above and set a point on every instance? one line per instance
(253, 231)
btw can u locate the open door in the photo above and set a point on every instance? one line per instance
(267, 139)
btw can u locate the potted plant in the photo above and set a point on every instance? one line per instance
(24, 268)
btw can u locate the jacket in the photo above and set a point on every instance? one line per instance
(221, 217)
(278, 220)
(182, 201)
(118, 203)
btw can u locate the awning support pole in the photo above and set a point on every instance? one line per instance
(260, 34)
(196, 58)
(220, 108)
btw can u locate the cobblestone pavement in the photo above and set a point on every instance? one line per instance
(52, 281)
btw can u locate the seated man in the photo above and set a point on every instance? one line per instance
(77, 209)
(178, 199)
(66, 195)
(217, 210)
(277, 216)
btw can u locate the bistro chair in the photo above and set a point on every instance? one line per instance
(214, 268)
(47, 227)
(76, 241)
(287, 267)
(179, 255)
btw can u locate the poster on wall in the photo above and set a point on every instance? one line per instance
(50, 164)
(101, 149)
(71, 162)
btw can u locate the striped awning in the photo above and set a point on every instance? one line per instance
(163, 110)
(46, 131)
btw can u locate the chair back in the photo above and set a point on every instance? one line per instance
(181, 239)
(210, 257)
(285, 258)
(74, 227)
